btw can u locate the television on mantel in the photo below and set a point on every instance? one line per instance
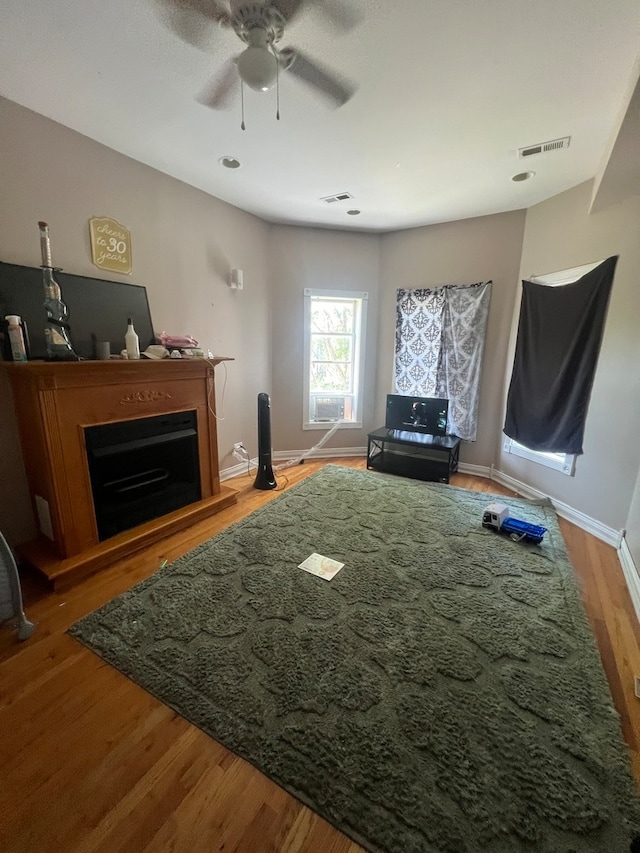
(417, 414)
(98, 309)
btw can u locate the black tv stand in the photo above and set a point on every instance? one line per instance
(413, 454)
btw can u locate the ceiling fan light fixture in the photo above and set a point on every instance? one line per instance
(258, 68)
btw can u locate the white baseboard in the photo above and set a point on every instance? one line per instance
(321, 453)
(286, 455)
(475, 470)
(237, 470)
(516, 485)
(233, 471)
(601, 531)
(631, 575)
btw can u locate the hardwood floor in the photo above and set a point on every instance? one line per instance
(91, 762)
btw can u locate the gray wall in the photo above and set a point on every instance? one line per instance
(633, 524)
(560, 233)
(184, 244)
(463, 252)
(330, 260)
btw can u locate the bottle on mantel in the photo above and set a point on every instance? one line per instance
(16, 337)
(56, 331)
(131, 340)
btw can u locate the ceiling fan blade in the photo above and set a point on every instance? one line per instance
(340, 14)
(215, 10)
(218, 91)
(337, 12)
(335, 88)
(288, 8)
(193, 20)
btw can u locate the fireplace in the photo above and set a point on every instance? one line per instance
(118, 455)
(142, 469)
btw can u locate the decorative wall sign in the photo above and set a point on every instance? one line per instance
(110, 245)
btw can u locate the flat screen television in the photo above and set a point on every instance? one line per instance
(417, 414)
(98, 309)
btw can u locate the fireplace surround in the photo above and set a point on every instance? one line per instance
(58, 408)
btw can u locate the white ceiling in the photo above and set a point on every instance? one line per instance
(448, 90)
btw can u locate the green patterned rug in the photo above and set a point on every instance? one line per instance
(442, 694)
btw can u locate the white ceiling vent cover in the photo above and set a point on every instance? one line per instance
(544, 147)
(330, 199)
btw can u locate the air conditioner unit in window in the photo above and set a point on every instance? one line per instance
(328, 409)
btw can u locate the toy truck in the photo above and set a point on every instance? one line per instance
(496, 516)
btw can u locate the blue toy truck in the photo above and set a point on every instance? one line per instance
(496, 516)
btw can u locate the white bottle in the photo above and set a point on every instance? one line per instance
(16, 338)
(131, 341)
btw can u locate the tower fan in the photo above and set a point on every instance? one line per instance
(264, 478)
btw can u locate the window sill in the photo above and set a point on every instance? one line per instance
(329, 424)
(565, 463)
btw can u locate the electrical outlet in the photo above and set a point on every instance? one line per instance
(238, 446)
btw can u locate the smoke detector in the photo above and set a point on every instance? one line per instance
(544, 147)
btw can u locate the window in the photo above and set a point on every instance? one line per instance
(334, 336)
(565, 462)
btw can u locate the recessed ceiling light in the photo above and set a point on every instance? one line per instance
(522, 176)
(229, 162)
(353, 212)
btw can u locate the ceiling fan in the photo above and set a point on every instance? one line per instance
(260, 24)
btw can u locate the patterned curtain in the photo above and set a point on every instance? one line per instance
(464, 326)
(439, 347)
(418, 334)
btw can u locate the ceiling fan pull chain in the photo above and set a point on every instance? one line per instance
(242, 102)
(277, 90)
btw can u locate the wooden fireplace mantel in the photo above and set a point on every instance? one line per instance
(54, 402)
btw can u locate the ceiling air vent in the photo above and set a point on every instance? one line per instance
(544, 147)
(330, 199)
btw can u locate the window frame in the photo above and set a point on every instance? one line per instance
(563, 462)
(358, 362)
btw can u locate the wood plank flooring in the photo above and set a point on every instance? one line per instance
(90, 762)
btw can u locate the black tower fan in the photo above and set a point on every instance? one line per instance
(264, 478)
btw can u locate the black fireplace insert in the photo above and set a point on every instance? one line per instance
(142, 469)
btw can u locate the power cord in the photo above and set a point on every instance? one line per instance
(240, 452)
(224, 387)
